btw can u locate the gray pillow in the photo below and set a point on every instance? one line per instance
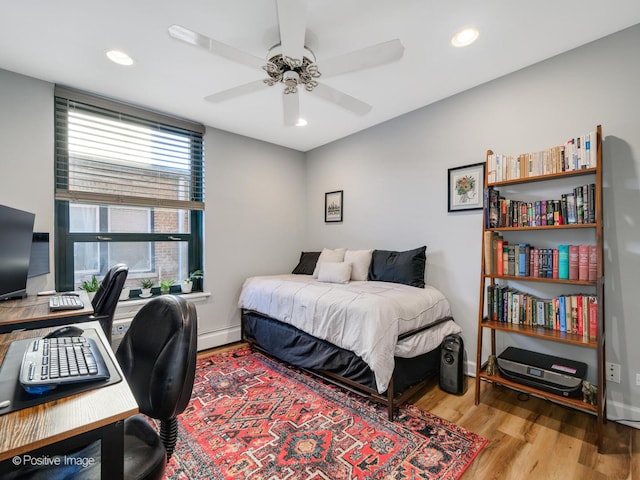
(307, 263)
(399, 267)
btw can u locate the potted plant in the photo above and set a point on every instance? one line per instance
(90, 286)
(124, 294)
(165, 285)
(187, 283)
(145, 285)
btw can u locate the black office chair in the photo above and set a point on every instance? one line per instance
(106, 298)
(158, 358)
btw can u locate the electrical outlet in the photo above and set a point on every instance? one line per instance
(120, 328)
(613, 372)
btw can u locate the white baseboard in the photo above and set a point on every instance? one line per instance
(621, 413)
(218, 338)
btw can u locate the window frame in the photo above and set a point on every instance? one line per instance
(65, 240)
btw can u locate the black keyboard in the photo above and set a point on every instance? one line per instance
(65, 302)
(51, 362)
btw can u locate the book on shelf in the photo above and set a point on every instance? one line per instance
(592, 301)
(575, 314)
(576, 207)
(500, 256)
(562, 314)
(571, 209)
(563, 262)
(592, 203)
(577, 153)
(511, 260)
(525, 260)
(488, 252)
(583, 262)
(593, 263)
(573, 262)
(577, 193)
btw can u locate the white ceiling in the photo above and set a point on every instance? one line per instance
(65, 41)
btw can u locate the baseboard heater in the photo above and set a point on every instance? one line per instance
(546, 372)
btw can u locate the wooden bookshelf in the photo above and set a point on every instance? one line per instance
(596, 289)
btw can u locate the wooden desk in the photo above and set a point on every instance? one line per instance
(33, 312)
(75, 420)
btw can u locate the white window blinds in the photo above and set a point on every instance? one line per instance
(111, 153)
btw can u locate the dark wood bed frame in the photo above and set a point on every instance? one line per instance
(390, 398)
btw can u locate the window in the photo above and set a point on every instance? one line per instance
(129, 189)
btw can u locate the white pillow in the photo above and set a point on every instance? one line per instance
(334, 272)
(360, 261)
(328, 255)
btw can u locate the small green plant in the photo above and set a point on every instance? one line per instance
(165, 285)
(146, 283)
(196, 274)
(91, 285)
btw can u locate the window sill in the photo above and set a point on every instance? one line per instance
(126, 309)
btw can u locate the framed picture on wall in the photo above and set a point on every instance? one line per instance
(333, 206)
(466, 188)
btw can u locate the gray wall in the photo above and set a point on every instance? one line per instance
(394, 178)
(254, 223)
(26, 165)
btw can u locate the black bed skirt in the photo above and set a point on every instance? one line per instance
(298, 348)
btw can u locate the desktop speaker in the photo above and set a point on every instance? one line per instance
(452, 378)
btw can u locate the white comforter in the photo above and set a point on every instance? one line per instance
(364, 317)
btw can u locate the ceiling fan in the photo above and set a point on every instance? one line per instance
(293, 65)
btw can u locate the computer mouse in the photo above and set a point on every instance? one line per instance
(66, 331)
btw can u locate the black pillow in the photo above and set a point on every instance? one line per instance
(307, 263)
(399, 267)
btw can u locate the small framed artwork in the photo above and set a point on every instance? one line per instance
(466, 188)
(333, 206)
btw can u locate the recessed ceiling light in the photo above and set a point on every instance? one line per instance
(119, 57)
(301, 122)
(465, 37)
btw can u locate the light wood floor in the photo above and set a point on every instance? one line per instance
(533, 439)
(530, 438)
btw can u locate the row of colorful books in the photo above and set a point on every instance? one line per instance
(576, 154)
(566, 262)
(576, 314)
(577, 207)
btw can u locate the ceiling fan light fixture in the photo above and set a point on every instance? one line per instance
(120, 57)
(290, 79)
(465, 37)
(292, 72)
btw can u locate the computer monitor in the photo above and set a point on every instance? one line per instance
(39, 261)
(16, 233)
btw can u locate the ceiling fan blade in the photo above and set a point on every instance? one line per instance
(213, 46)
(368, 57)
(292, 22)
(291, 106)
(342, 99)
(236, 91)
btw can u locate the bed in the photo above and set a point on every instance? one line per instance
(362, 319)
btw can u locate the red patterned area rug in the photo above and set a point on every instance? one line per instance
(252, 417)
